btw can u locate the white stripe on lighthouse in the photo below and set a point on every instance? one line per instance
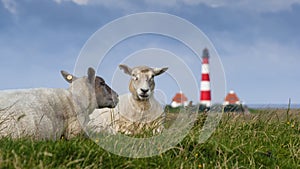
(206, 102)
(205, 69)
(205, 85)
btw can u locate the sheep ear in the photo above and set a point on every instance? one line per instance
(67, 76)
(91, 75)
(158, 71)
(126, 69)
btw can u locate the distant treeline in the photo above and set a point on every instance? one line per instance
(239, 108)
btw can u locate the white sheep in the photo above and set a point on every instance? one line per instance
(47, 113)
(137, 111)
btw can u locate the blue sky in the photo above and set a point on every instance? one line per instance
(258, 41)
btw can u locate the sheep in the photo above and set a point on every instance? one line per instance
(137, 111)
(48, 113)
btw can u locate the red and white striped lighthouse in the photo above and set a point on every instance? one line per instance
(205, 94)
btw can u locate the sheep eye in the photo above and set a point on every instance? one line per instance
(152, 77)
(102, 82)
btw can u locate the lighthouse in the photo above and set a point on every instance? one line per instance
(205, 93)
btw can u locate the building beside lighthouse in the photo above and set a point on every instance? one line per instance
(179, 100)
(205, 92)
(231, 98)
(232, 103)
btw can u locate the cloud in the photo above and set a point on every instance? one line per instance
(169, 3)
(212, 3)
(78, 2)
(265, 6)
(10, 5)
(249, 5)
(81, 2)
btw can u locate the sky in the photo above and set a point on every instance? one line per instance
(257, 42)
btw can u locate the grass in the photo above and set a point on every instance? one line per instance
(265, 139)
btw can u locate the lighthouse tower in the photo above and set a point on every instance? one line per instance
(205, 94)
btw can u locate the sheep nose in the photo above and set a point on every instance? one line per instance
(144, 90)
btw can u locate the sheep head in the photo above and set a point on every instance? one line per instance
(142, 80)
(106, 97)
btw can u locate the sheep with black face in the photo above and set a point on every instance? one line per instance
(48, 113)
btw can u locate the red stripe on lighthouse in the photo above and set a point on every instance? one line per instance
(205, 77)
(204, 60)
(205, 95)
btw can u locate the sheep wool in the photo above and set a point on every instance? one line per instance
(45, 113)
(129, 117)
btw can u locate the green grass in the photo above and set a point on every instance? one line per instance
(266, 139)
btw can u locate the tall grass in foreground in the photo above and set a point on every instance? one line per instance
(266, 139)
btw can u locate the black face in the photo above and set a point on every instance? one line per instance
(106, 97)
